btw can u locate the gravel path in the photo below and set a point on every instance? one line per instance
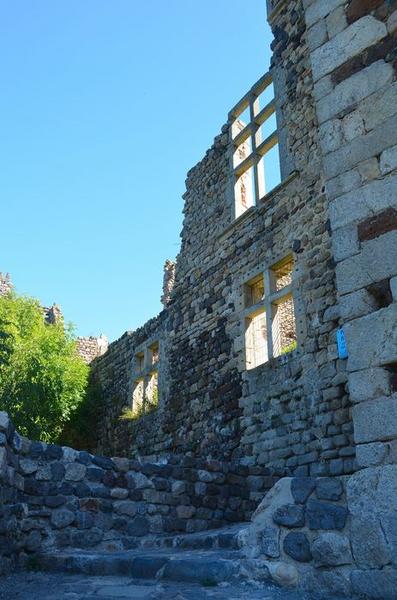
(44, 586)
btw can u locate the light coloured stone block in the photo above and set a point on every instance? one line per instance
(393, 287)
(379, 107)
(392, 23)
(330, 135)
(376, 261)
(353, 125)
(362, 148)
(370, 455)
(354, 39)
(353, 90)
(343, 183)
(388, 160)
(361, 203)
(345, 242)
(357, 304)
(317, 35)
(369, 170)
(336, 22)
(372, 340)
(320, 9)
(375, 420)
(370, 383)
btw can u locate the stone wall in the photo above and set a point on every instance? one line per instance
(291, 415)
(329, 535)
(353, 53)
(57, 497)
(91, 347)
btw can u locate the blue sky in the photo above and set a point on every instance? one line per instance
(105, 106)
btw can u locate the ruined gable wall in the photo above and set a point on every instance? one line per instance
(291, 415)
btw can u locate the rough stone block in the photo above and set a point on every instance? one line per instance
(361, 148)
(322, 515)
(75, 472)
(289, 515)
(375, 420)
(329, 489)
(297, 545)
(331, 550)
(392, 23)
(388, 160)
(270, 542)
(301, 488)
(317, 35)
(376, 261)
(371, 455)
(369, 170)
(320, 9)
(376, 584)
(349, 93)
(350, 42)
(370, 547)
(62, 518)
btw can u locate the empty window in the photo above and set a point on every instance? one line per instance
(269, 315)
(145, 388)
(256, 162)
(140, 361)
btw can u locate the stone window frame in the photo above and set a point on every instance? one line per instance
(146, 365)
(257, 151)
(266, 305)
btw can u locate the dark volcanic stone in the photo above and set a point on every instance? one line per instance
(290, 515)
(94, 474)
(103, 462)
(301, 488)
(53, 451)
(321, 515)
(329, 489)
(297, 546)
(139, 526)
(57, 471)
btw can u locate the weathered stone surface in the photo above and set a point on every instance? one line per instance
(388, 160)
(270, 542)
(331, 549)
(380, 585)
(348, 43)
(289, 515)
(139, 526)
(4, 421)
(28, 466)
(297, 545)
(62, 518)
(125, 507)
(369, 545)
(375, 420)
(283, 574)
(377, 225)
(75, 472)
(371, 455)
(329, 489)
(320, 9)
(301, 488)
(322, 515)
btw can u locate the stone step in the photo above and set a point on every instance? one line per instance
(225, 538)
(204, 567)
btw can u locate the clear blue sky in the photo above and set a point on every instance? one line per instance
(105, 105)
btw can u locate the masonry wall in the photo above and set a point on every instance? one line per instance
(291, 415)
(58, 497)
(354, 57)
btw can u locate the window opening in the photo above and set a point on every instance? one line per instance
(270, 328)
(256, 161)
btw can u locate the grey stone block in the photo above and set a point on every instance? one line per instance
(371, 455)
(388, 160)
(350, 42)
(62, 518)
(297, 546)
(369, 383)
(369, 545)
(376, 584)
(329, 489)
(320, 9)
(289, 515)
(331, 550)
(301, 488)
(321, 515)
(270, 542)
(375, 420)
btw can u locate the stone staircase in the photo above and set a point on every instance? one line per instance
(206, 558)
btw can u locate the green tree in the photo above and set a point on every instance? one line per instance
(42, 378)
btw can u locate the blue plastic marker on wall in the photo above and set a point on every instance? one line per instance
(342, 346)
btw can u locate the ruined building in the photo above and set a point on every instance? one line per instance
(274, 359)
(87, 347)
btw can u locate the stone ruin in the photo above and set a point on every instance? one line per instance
(273, 363)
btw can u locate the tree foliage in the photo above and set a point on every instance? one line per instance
(42, 378)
